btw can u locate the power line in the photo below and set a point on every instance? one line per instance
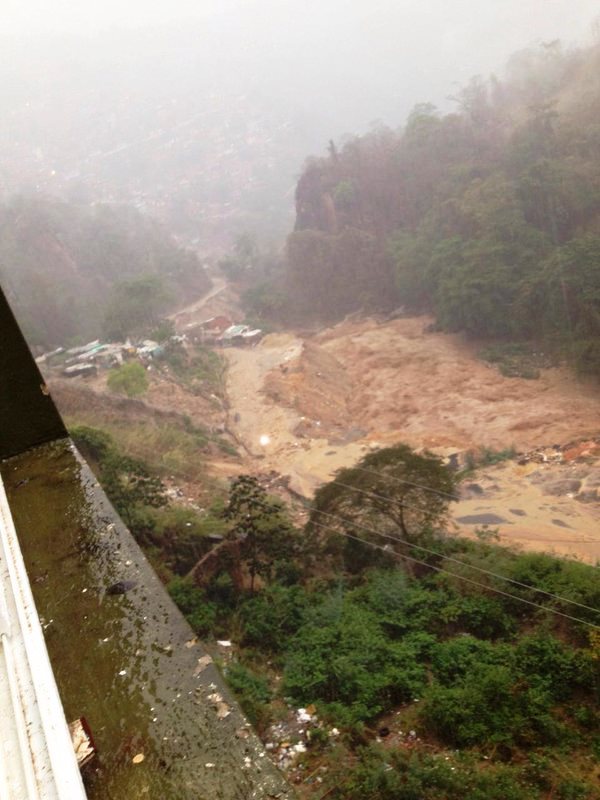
(408, 483)
(378, 496)
(458, 561)
(591, 539)
(460, 577)
(411, 507)
(553, 541)
(445, 557)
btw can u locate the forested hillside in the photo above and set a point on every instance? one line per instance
(488, 216)
(75, 272)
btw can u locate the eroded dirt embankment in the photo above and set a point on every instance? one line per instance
(431, 388)
(324, 400)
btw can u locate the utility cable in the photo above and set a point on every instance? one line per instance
(425, 488)
(461, 577)
(442, 556)
(432, 489)
(409, 506)
(458, 561)
(379, 496)
(553, 541)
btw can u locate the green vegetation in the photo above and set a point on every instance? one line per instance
(502, 695)
(134, 306)
(75, 272)
(395, 488)
(416, 775)
(267, 301)
(517, 359)
(128, 482)
(253, 693)
(244, 257)
(165, 328)
(171, 446)
(258, 271)
(129, 379)
(258, 542)
(487, 216)
(502, 682)
(486, 457)
(167, 447)
(200, 613)
(332, 274)
(200, 369)
(174, 537)
(250, 260)
(258, 524)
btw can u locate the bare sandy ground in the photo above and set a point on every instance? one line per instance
(323, 401)
(253, 415)
(530, 514)
(431, 390)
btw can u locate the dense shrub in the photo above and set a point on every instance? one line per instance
(491, 705)
(401, 775)
(252, 691)
(342, 655)
(269, 619)
(192, 602)
(93, 443)
(454, 659)
(129, 379)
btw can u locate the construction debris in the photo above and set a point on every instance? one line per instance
(83, 744)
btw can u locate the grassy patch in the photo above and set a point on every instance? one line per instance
(199, 369)
(517, 359)
(167, 449)
(486, 457)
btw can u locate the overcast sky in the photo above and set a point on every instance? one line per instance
(424, 47)
(98, 72)
(491, 25)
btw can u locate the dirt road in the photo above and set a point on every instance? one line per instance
(324, 401)
(219, 286)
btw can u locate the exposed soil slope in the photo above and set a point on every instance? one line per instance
(326, 399)
(430, 389)
(323, 400)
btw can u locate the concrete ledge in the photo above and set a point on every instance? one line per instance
(37, 761)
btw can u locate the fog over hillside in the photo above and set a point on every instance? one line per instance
(315, 287)
(202, 113)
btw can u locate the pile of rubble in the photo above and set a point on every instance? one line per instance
(542, 455)
(288, 740)
(273, 480)
(559, 454)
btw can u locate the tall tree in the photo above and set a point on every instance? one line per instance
(394, 491)
(258, 522)
(259, 535)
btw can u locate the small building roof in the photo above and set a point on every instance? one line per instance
(233, 331)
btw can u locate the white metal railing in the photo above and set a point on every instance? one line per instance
(37, 761)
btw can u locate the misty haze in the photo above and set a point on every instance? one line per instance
(315, 288)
